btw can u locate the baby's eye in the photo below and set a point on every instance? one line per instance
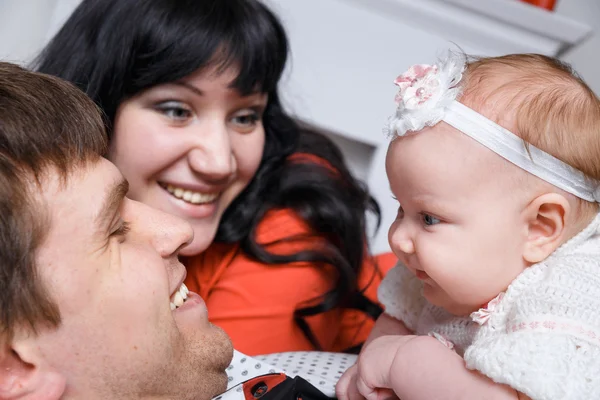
(430, 219)
(400, 212)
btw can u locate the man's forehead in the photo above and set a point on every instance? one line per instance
(83, 195)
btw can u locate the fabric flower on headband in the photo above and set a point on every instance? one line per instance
(424, 93)
(417, 85)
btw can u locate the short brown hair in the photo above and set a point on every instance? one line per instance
(543, 101)
(46, 124)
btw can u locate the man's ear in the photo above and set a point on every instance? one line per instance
(25, 375)
(545, 216)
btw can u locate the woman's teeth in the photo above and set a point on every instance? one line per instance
(191, 196)
(179, 297)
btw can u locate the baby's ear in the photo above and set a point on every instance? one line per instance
(24, 373)
(545, 216)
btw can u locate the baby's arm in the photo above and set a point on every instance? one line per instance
(395, 292)
(387, 325)
(420, 367)
(384, 326)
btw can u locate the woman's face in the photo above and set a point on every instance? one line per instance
(190, 147)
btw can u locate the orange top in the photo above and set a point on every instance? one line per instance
(255, 302)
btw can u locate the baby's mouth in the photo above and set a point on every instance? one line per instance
(421, 274)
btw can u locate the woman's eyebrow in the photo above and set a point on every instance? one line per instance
(189, 87)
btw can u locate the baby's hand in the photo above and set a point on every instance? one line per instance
(374, 366)
(346, 389)
(370, 377)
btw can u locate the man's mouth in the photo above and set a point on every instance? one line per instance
(190, 196)
(179, 297)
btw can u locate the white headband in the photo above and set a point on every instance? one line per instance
(428, 95)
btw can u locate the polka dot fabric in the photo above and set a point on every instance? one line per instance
(321, 369)
(244, 367)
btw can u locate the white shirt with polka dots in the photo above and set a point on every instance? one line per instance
(321, 369)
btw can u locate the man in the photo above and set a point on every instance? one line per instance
(91, 298)
(92, 301)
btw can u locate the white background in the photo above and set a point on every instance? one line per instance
(345, 53)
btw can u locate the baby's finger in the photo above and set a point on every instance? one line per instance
(341, 388)
(365, 390)
(386, 394)
(346, 387)
(374, 393)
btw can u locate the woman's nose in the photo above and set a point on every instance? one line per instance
(212, 155)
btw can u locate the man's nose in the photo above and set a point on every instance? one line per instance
(169, 233)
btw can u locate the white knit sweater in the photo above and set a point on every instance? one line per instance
(542, 338)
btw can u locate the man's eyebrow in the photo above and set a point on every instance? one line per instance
(112, 203)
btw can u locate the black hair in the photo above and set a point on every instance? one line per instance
(116, 49)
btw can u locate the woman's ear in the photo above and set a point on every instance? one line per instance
(545, 216)
(25, 375)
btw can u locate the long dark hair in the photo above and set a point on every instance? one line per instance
(115, 49)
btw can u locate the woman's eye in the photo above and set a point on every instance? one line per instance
(174, 111)
(430, 220)
(247, 120)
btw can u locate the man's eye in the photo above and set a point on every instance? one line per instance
(122, 230)
(430, 220)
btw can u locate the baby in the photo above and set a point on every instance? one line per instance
(495, 164)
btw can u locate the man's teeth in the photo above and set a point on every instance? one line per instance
(179, 297)
(190, 196)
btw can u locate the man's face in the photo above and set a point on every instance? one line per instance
(119, 337)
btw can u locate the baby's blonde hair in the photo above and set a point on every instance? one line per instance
(543, 101)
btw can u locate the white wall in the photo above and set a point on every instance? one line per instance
(585, 58)
(346, 52)
(23, 27)
(344, 55)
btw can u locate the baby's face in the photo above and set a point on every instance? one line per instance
(460, 226)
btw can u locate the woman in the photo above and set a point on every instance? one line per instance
(189, 89)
